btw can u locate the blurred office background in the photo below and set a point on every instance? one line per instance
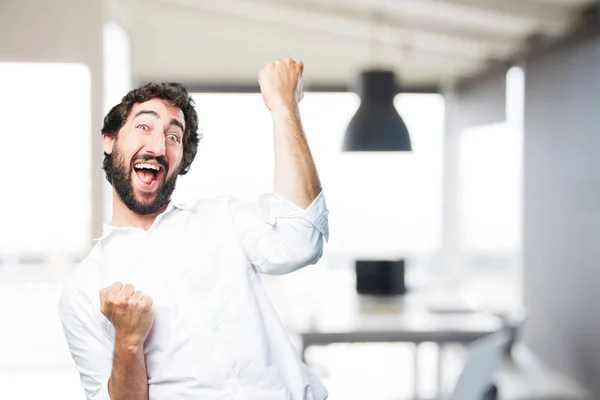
(492, 219)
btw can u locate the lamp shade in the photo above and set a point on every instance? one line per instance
(376, 126)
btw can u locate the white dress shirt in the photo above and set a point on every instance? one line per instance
(215, 333)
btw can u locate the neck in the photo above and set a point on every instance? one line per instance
(122, 216)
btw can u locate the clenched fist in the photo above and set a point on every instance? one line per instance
(129, 311)
(281, 83)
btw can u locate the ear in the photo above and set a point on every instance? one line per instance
(108, 143)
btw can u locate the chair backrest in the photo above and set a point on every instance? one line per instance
(482, 363)
(514, 323)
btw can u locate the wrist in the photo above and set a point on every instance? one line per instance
(129, 343)
(285, 110)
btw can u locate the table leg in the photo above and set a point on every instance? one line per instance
(440, 370)
(416, 372)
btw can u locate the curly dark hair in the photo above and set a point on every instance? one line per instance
(176, 95)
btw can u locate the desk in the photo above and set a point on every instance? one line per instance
(320, 306)
(402, 327)
(392, 320)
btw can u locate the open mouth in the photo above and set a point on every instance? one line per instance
(148, 174)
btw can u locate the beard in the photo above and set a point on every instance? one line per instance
(120, 177)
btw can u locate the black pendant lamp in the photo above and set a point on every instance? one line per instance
(376, 126)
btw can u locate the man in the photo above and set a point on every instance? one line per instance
(168, 305)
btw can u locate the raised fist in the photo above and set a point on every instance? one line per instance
(281, 83)
(129, 311)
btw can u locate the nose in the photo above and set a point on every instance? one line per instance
(155, 143)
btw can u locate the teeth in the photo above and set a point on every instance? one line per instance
(146, 166)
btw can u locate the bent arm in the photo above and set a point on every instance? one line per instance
(107, 371)
(285, 231)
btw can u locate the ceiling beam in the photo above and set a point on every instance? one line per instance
(353, 27)
(364, 10)
(508, 18)
(553, 18)
(481, 17)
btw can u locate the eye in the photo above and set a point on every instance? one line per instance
(143, 127)
(173, 138)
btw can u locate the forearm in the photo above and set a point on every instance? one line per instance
(296, 176)
(129, 380)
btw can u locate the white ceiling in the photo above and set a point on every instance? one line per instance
(427, 42)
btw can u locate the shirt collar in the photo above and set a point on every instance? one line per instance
(107, 229)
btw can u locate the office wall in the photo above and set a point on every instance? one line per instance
(61, 31)
(562, 209)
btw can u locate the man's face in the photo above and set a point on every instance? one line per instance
(146, 156)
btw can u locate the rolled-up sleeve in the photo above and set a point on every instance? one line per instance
(90, 347)
(277, 235)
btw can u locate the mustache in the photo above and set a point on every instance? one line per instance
(147, 157)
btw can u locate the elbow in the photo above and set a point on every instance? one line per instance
(286, 258)
(309, 253)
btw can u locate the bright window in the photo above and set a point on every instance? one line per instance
(491, 169)
(45, 163)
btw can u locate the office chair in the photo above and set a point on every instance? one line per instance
(476, 381)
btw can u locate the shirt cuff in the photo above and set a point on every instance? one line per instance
(273, 206)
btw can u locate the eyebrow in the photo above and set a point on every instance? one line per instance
(155, 114)
(177, 123)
